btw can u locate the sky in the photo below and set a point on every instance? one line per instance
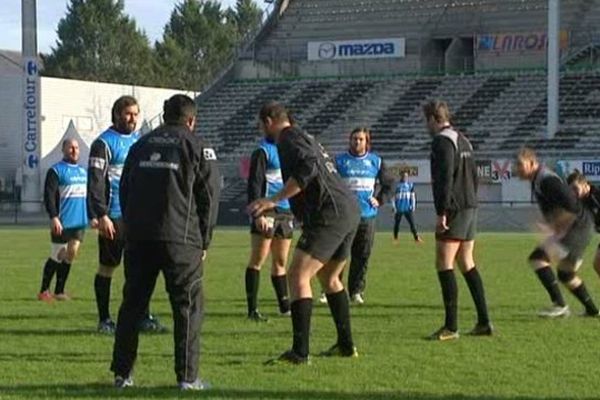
(150, 15)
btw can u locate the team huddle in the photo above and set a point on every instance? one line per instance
(292, 180)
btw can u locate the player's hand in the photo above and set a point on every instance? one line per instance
(441, 225)
(261, 224)
(204, 255)
(106, 228)
(56, 226)
(374, 202)
(94, 223)
(260, 206)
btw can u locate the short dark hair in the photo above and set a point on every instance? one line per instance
(68, 141)
(178, 109)
(122, 103)
(576, 177)
(275, 111)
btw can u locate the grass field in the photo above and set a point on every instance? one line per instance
(51, 351)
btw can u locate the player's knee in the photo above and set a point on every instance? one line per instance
(569, 278)
(58, 252)
(539, 259)
(254, 266)
(106, 271)
(278, 268)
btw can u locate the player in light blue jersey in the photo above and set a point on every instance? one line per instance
(107, 158)
(405, 203)
(366, 176)
(65, 190)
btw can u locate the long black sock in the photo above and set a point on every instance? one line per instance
(281, 291)
(450, 296)
(48, 273)
(102, 289)
(584, 297)
(62, 274)
(252, 281)
(301, 313)
(340, 311)
(475, 285)
(548, 279)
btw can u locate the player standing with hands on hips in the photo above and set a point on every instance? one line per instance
(167, 197)
(65, 202)
(329, 215)
(365, 174)
(454, 180)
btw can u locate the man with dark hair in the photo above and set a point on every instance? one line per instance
(329, 215)
(168, 199)
(454, 180)
(270, 233)
(365, 174)
(405, 203)
(570, 229)
(65, 202)
(107, 157)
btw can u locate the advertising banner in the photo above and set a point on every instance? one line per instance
(356, 49)
(517, 42)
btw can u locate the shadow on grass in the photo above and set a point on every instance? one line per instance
(104, 391)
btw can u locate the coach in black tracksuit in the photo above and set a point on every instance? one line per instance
(167, 195)
(454, 180)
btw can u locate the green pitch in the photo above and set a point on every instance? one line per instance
(51, 351)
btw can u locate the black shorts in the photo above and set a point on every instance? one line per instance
(110, 252)
(282, 226)
(462, 226)
(574, 244)
(68, 235)
(329, 241)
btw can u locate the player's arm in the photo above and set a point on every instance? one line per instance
(97, 172)
(257, 183)
(442, 174)
(413, 198)
(204, 191)
(124, 183)
(565, 201)
(385, 185)
(51, 200)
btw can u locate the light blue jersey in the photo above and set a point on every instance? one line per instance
(404, 199)
(72, 189)
(117, 146)
(273, 173)
(360, 175)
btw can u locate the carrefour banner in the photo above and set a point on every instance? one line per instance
(356, 49)
(517, 42)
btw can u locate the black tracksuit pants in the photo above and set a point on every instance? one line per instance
(411, 221)
(181, 266)
(361, 251)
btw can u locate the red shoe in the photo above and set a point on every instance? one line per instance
(45, 296)
(62, 297)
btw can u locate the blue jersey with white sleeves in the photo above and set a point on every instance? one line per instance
(72, 193)
(360, 174)
(404, 198)
(273, 178)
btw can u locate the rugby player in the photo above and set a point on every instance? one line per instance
(330, 216)
(269, 233)
(454, 180)
(405, 203)
(366, 176)
(107, 157)
(65, 203)
(570, 228)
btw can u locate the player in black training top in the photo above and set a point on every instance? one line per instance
(329, 214)
(590, 197)
(271, 232)
(454, 180)
(570, 228)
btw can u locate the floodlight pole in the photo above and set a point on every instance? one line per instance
(30, 133)
(553, 68)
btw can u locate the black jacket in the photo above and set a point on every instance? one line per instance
(453, 172)
(169, 188)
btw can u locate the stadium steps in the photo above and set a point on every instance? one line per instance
(481, 100)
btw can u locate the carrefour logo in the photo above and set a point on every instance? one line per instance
(32, 68)
(33, 161)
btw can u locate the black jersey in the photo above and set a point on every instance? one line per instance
(325, 197)
(553, 195)
(592, 203)
(453, 172)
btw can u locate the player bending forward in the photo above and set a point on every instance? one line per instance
(570, 227)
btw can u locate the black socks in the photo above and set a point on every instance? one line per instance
(62, 274)
(584, 297)
(548, 279)
(301, 314)
(450, 296)
(475, 285)
(252, 281)
(102, 289)
(281, 291)
(340, 311)
(48, 273)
